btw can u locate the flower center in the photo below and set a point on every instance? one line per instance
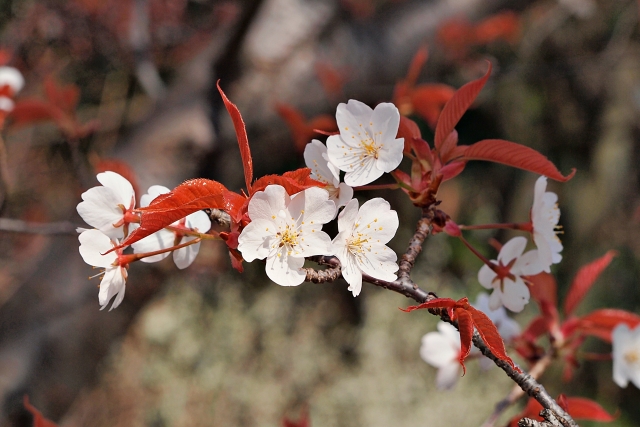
(370, 147)
(288, 237)
(356, 243)
(632, 357)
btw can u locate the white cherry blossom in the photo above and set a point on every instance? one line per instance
(544, 220)
(94, 243)
(109, 207)
(10, 76)
(626, 355)
(316, 159)
(441, 350)
(285, 230)
(183, 257)
(361, 242)
(509, 289)
(367, 145)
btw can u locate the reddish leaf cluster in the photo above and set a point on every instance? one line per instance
(458, 35)
(59, 105)
(448, 159)
(425, 100)
(304, 130)
(469, 318)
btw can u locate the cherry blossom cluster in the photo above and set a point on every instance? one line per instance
(110, 208)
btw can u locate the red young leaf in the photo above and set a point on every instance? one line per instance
(429, 99)
(457, 106)
(241, 134)
(38, 419)
(465, 326)
(452, 170)
(448, 146)
(409, 130)
(434, 303)
(584, 279)
(187, 198)
(489, 334)
(601, 322)
(304, 420)
(544, 288)
(586, 409)
(293, 181)
(64, 97)
(516, 155)
(31, 110)
(536, 328)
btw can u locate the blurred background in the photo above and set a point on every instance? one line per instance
(208, 346)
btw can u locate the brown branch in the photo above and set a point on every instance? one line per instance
(423, 229)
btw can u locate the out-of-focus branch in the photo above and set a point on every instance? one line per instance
(20, 226)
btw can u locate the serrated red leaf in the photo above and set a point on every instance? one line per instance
(241, 134)
(584, 279)
(434, 303)
(489, 334)
(516, 155)
(38, 419)
(600, 323)
(293, 181)
(465, 326)
(585, 409)
(457, 106)
(187, 198)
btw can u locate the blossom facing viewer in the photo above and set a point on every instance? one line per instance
(94, 243)
(545, 215)
(285, 229)
(183, 257)
(367, 145)
(505, 278)
(109, 207)
(441, 350)
(626, 355)
(316, 159)
(361, 242)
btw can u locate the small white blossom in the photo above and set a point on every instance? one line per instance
(367, 145)
(508, 286)
(285, 230)
(10, 76)
(545, 215)
(316, 159)
(442, 350)
(106, 207)
(361, 242)
(626, 355)
(183, 257)
(94, 243)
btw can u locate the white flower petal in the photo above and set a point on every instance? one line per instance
(183, 257)
(438, 350)
(528, 264)
(99, 209)
(315, 157)
(160, 240)
(11, 77)
(153, 192)
(515, 294)
(447, 376)
(200, 221)
(93, 243)
(363, 172)
(486, 276)
(312, 207)
(268, 203)
(344, 195)
(113, 283)
(512, 249)
(256, 239)
(121, 187)
(285, 270)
